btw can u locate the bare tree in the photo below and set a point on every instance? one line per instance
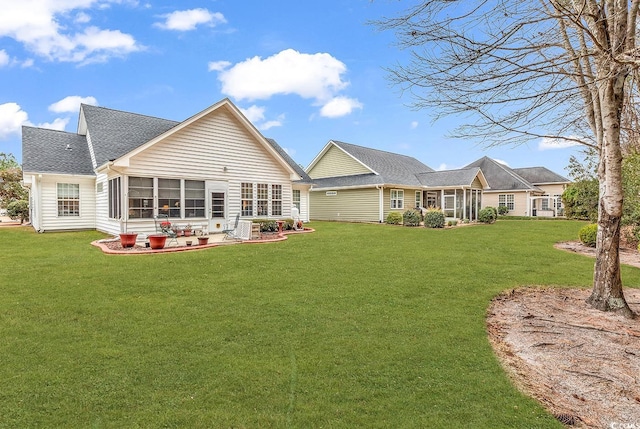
(524, 69)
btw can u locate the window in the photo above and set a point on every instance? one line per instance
(397, 199)
(68, 199)
(507, 200)
(545, 202)
(276, 200)
(217, 205)
(140, 197)
(169, 197)
(115, 199)
(246, 191)
(418, 199)
(263, 199)
(194, 197)
(296, 199)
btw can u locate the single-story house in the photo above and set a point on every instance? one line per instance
(360, 184)
(121, 169)
(532, 191)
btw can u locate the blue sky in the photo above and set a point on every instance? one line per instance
(303, 72)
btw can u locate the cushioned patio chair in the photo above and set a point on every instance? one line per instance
(163, 226)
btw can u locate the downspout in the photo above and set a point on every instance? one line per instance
(380, 202)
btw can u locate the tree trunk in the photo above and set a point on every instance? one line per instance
(607, 286)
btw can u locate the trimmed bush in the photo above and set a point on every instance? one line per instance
(587, 234)
(488, 215)
(394, 218)
(503, 210)
(434, 218)
(18, 209)
(411, 218)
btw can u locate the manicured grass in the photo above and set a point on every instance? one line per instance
(353, 326)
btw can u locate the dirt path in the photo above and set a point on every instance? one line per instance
(580, 363)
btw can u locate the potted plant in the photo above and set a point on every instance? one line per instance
(203, 239)
(128, 239)
(157, 241)
(187, 230)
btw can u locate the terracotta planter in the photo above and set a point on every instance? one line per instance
(203, 240)
(128, 239)
(187, 233)
(157, 241)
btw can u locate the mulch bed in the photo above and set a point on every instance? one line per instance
(582, 364)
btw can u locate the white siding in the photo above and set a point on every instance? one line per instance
(215, 148)
(50, 221)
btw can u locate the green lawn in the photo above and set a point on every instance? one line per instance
(353, 326)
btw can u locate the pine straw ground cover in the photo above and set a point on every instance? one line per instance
(352, 326)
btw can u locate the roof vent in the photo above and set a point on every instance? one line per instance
(68, 147)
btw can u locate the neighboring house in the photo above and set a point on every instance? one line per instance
(533, 191)
(359, 184)
(121, 169)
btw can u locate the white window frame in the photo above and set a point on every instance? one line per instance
(68, 194)
(507, 200)
(396, 199)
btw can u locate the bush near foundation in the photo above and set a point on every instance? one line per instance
(434, 218)
(394, 218)
(411, 218)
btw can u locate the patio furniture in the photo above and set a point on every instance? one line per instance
(231, 231)
(163, 226)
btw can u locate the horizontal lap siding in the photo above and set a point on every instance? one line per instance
(354, 205)
(202, 151)
(50, 220)
(409, 201)
(519, 198)
(336, 163)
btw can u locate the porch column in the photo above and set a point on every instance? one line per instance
(464, 203)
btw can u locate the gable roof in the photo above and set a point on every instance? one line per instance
(114, 133)
(385, 167)
(303, 174)
(55, 152)
(502, 178)
(453, 178)
(540, 175)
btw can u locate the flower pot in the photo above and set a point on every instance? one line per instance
(189, 242)
(187, 233)
(203, 240)
(157, 241)
(128, 239)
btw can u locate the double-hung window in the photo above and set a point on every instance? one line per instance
(397, 198)
(246, 192)
(169, 197)
(276, 200)
(194, 199)
(140, 197)
(262, 195)
(68, 199)
(296, 199)
(507, 200)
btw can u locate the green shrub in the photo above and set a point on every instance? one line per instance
(434, 218)
(411, 218)
(588, 235)
(488, 215)
(394, 218)
(18, 210)
(503, 210)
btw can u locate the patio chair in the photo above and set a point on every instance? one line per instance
(231, 231)
(163, 226)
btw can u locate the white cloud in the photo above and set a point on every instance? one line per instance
(254, 113)
(12, 118)
(57, 124)
(82, 18)
(71, 104)
(185, 20)
(27, 63)
(314, 76)
(40, 26)
(557, 143)
(414, 125)
(500, 161)
(4, 58)
(339, 106)
(442, 167)
(218, 65)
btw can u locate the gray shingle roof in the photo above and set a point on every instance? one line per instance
(461, 177)
(502, 178)
(393, 168)
(51, 151)
(358, 180)
(540, 175)
(115, 133)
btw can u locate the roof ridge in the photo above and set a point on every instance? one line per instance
(374, 149)
(127, 112)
